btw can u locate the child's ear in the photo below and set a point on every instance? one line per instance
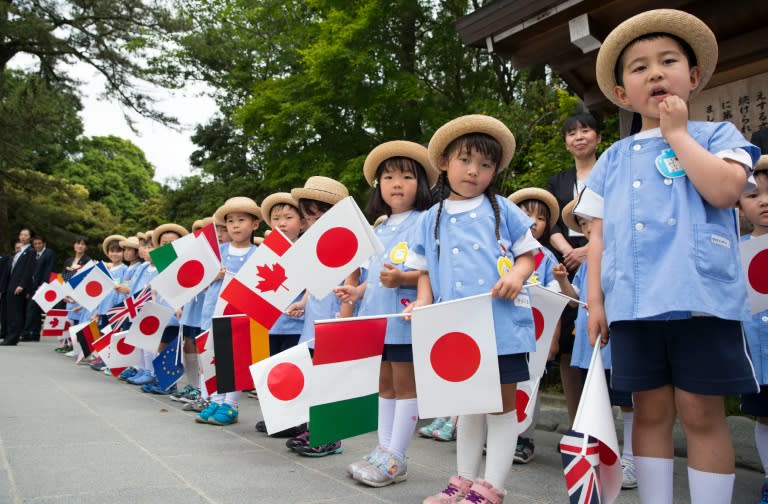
(442, 163)
(695, 77)
(621, 95)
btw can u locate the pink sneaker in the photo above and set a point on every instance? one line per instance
(457, 488)
(483, 492)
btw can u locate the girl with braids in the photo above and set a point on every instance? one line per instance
(471, 243)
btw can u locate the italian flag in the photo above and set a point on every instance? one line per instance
(344, 393)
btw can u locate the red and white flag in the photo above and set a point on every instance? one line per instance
(206, 361)
(547, 306)
(56, 323)
(116, 353)
(147, 328)
(223, 307)
(92, 286)
(264, 286)
(185, 268)
(282, 382)
(49, 294)
(129, 309)
(454, 355)
(594, 422)
(338, 243)
(754, 259)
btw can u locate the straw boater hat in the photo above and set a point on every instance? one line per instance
(141, 235)
(379, 220)
(476, 123)
(241, 204)
(130, 242)
(399, 148)
(762, 163)
(167, 228)
(258, 240)
(322, 189)
(201, 223)
(534, 193)
(678, 23)
(109, 239)
(218, 221)
(568, 218)
(278, 198)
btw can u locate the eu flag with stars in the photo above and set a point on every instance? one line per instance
(168, 366)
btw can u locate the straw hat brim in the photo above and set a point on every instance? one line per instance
(535, 193)
(399, 148)
(109, 239)
(762, 163)
(201, 223)
(681, 24)
(322, 189)
(568, 218)
(280, 198)
(141, 235)
(130, 242)
(167, 228)
(475, 123)
(240, 204)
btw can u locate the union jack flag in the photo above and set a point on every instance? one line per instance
(581, 459)
(130, 308)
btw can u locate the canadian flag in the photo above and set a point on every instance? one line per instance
(282, 382)
(92, 286)
(147, 328)
(49, 294)
(224, 307)
(56, 323)
(547, 306)
(754, 259)
(206, 361)
(454, 355)
(116, 353)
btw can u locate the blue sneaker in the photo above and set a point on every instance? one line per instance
(139, 374)
(225, 414)
(204, 415)
(147, 387)
(764, 493)
(128, 373)
(157, 389)
(144, 379)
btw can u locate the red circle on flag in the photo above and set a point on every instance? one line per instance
(538, 322)
(149, 325)
(758, 272)
(521, 402)
(607, 456)
(50, 296)
(190, 273)
(123, 347)
(285, 381)
(93, 288)
(455, 357)
(336, 247)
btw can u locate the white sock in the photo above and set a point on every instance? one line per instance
(654, 479)
(232, 398)
(627, 449)
(406, 416)
(761, 442)
(191, 370)
(148, 357)
(218, 398)
(470, 434)
(528, 432)
(500, 451)
(386, 419)
(710, 488)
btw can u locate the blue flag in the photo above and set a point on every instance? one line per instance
(168, 366)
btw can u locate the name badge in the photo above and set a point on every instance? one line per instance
(668, 164)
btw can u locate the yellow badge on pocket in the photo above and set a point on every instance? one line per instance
(398, 253)
(503, 264)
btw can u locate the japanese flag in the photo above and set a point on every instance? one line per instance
(147, 328)
(754, 258)
(48, 295)
(454, 355)
(340, 241)
(92, 286)
(547, 306)
(206, 361)
(116, 353)
(281, 382)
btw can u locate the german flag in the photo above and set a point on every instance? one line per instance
(238, 342)
(87, 336)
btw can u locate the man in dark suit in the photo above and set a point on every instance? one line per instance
(18, 287)
(45, 263)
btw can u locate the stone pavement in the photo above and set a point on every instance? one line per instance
(69, 434)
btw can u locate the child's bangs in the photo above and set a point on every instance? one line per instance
(397, 164)
(480, 142)
(535, 207)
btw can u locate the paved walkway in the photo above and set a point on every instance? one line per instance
(69, 434)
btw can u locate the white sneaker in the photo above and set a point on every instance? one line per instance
(628, 477)
(71, 353)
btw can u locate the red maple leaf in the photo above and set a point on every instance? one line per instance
(273, 277)
(54, 323)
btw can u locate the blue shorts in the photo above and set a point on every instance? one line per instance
(701, 355)
(513, 368)
(617, 397)
(169, 334)
(397, 353)
(280, 342)
(190, 332)
(756, 404)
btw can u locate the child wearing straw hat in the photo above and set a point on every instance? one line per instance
(401, 178)
(114, 251)
(753, 206)
(474, 226)
(242, 217)
(664, 270)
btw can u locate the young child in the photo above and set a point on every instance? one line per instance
(401, 177)
(282, 212)
(582, 351)
(664, 270)
(542, 207)
(243, 217)
(475, 227)
(318, 195)
(114, 251)
(754, 208)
